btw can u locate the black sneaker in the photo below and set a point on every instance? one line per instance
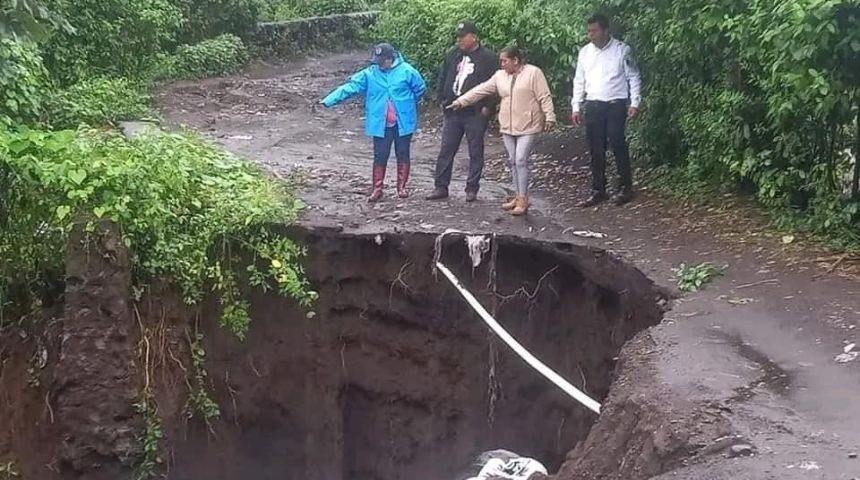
(471, 196)
(595, 199)
(623, 197)
(438, 194)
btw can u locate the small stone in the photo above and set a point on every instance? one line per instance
(741, 450)
(132, 130)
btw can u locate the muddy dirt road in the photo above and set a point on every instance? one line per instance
(272, 117)
(756, 349)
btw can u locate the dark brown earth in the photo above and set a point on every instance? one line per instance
(777, 305)
(391, 377)
(394, 377)
(26, 423)
(70, 381)
(96, 383)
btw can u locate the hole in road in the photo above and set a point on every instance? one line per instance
(396, 377)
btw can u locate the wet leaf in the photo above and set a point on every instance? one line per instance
(63, 211)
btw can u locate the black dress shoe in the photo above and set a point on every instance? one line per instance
(623, 197)
(595, 199)
(438, 194)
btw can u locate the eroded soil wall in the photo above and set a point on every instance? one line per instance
(395, 377)
(391, 377)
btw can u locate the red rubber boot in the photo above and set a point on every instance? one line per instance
(378, 184)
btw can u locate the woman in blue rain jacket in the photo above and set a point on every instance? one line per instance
(392, 89)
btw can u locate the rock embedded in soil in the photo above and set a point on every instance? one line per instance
(741, 450)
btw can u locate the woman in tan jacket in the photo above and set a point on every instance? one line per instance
(526, 111)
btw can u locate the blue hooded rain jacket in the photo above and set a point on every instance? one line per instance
(402, 84)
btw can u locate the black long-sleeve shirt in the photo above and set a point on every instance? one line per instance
(461, 71)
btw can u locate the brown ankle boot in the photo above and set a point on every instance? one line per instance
(522, 206)
(378, 184)
(511, 204)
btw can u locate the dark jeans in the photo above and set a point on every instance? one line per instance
(474, 126)
(382, 147)
(608, 120)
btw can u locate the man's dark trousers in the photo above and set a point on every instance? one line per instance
(473, 125)
(608, 120)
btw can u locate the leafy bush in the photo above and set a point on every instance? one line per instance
(111, 37)
(28, 20)
(546, 30)
(181, 204)
(98, 101)
(210, 18)
(275, 11)
(23, 83)
(760, 93)
(279, 10)
(222, 55)
(331, 7)
(763, 94)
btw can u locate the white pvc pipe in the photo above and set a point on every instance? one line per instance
(547, 372)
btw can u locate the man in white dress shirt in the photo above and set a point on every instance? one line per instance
(607, 90)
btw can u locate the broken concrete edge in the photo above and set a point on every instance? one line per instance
(605, 263)
(646, 429)
(288, 38)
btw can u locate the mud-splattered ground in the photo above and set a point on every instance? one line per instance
(757, 348)
(272, 116)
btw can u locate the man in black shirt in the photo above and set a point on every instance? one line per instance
(465, 67)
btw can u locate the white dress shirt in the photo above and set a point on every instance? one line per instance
(606, 74)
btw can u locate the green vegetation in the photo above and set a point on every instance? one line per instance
(221, 55)
(23, 83)
(97, 101)
(182, 205)
(692, 278)
(279, 10)
(150, 439)
(111, 37)
(188, 211)
(206, 19)
(764, 95)
(760, 96)
(200, 401)
(550, 32)
(96, 70)
(29, 20)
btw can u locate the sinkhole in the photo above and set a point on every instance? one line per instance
(394, 376)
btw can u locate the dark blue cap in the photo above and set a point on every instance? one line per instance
(383, 51)
(466, 28)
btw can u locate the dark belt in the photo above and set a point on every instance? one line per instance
(610, 102)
